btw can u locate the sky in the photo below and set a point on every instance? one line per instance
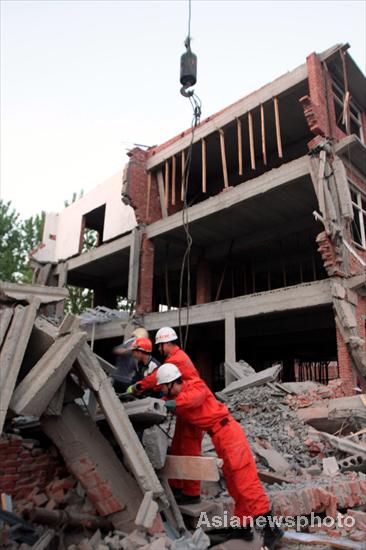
(82, 81)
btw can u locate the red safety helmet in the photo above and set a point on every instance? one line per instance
(142, 344)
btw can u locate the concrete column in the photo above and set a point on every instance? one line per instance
(204, 283)
(230, 344)
(146, 277)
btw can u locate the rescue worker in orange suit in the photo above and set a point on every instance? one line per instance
(187, 439)
(141, 350)
(194, 403)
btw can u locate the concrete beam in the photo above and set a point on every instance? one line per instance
(91, 459)
(230, 345)
(106, 249)
(45, 294)
(118, 420)
(133, 272)
(190, 467)
(257, 379)
(6, 316)
(12, 352)
(248, 103)
(290, 298)
(234, 195)
(36, 390)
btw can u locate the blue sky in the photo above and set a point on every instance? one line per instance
(82, 80)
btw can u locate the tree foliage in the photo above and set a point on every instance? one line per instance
(17, 238)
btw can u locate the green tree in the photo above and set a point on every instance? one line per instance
(32, 234)
(12, 254)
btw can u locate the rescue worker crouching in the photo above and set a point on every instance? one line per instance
(194, 403)
(187, 439)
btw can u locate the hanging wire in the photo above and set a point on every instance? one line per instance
(186, 261)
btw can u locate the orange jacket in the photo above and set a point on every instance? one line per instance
(197, 405)
(180, 359)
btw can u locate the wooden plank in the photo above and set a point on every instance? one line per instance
(36, 390)
(164, 211)
(263, 134)
(166, 184)
(223, 158)
(12, 352)
(183, 164)
(173, 179)
(190, 467)
(251, 141)
(6, 315)
(203, 166)
(148, 194)
(278, 127)
(240, 146)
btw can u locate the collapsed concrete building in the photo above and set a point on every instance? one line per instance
(276, 204)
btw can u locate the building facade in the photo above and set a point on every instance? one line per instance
(266, 203)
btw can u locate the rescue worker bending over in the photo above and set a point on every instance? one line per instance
(195, 404)
(187, 439)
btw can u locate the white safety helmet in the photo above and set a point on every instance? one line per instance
(167, 373)
(165, 334)
(140, 332)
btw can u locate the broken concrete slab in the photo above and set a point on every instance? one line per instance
(12, 352)
(146, 411)
(333, 413)
(273, 458)
(36, 390)
(190, 467)
(267, 375)
(156, 443)
(56, 404)
(45, 294)
(91, 459)
(6, 315)
(299, 388)
(117, 418)
(353, 463)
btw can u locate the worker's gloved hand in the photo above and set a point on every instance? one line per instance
(170, 405)
(135, 389)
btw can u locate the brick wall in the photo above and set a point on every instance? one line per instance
(346, 372)
(137, 188)
(24, 465)
(319, 104)
(146, 277)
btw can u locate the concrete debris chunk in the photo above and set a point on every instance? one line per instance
(155, 442)
(147, 512)
(330, 466)
(198, 541)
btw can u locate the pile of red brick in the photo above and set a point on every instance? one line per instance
(25, 473)
(334, 389)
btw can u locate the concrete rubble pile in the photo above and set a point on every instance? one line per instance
(74, 474)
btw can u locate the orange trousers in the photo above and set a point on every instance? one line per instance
(240, 470)
(187, 441)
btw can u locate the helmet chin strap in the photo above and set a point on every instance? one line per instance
(170, 387)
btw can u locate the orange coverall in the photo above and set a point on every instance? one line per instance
(196, 405)
(187, 439)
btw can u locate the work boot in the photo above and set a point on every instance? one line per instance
(270, 532)
(218, 536)
(187, 499)
(177, 491)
